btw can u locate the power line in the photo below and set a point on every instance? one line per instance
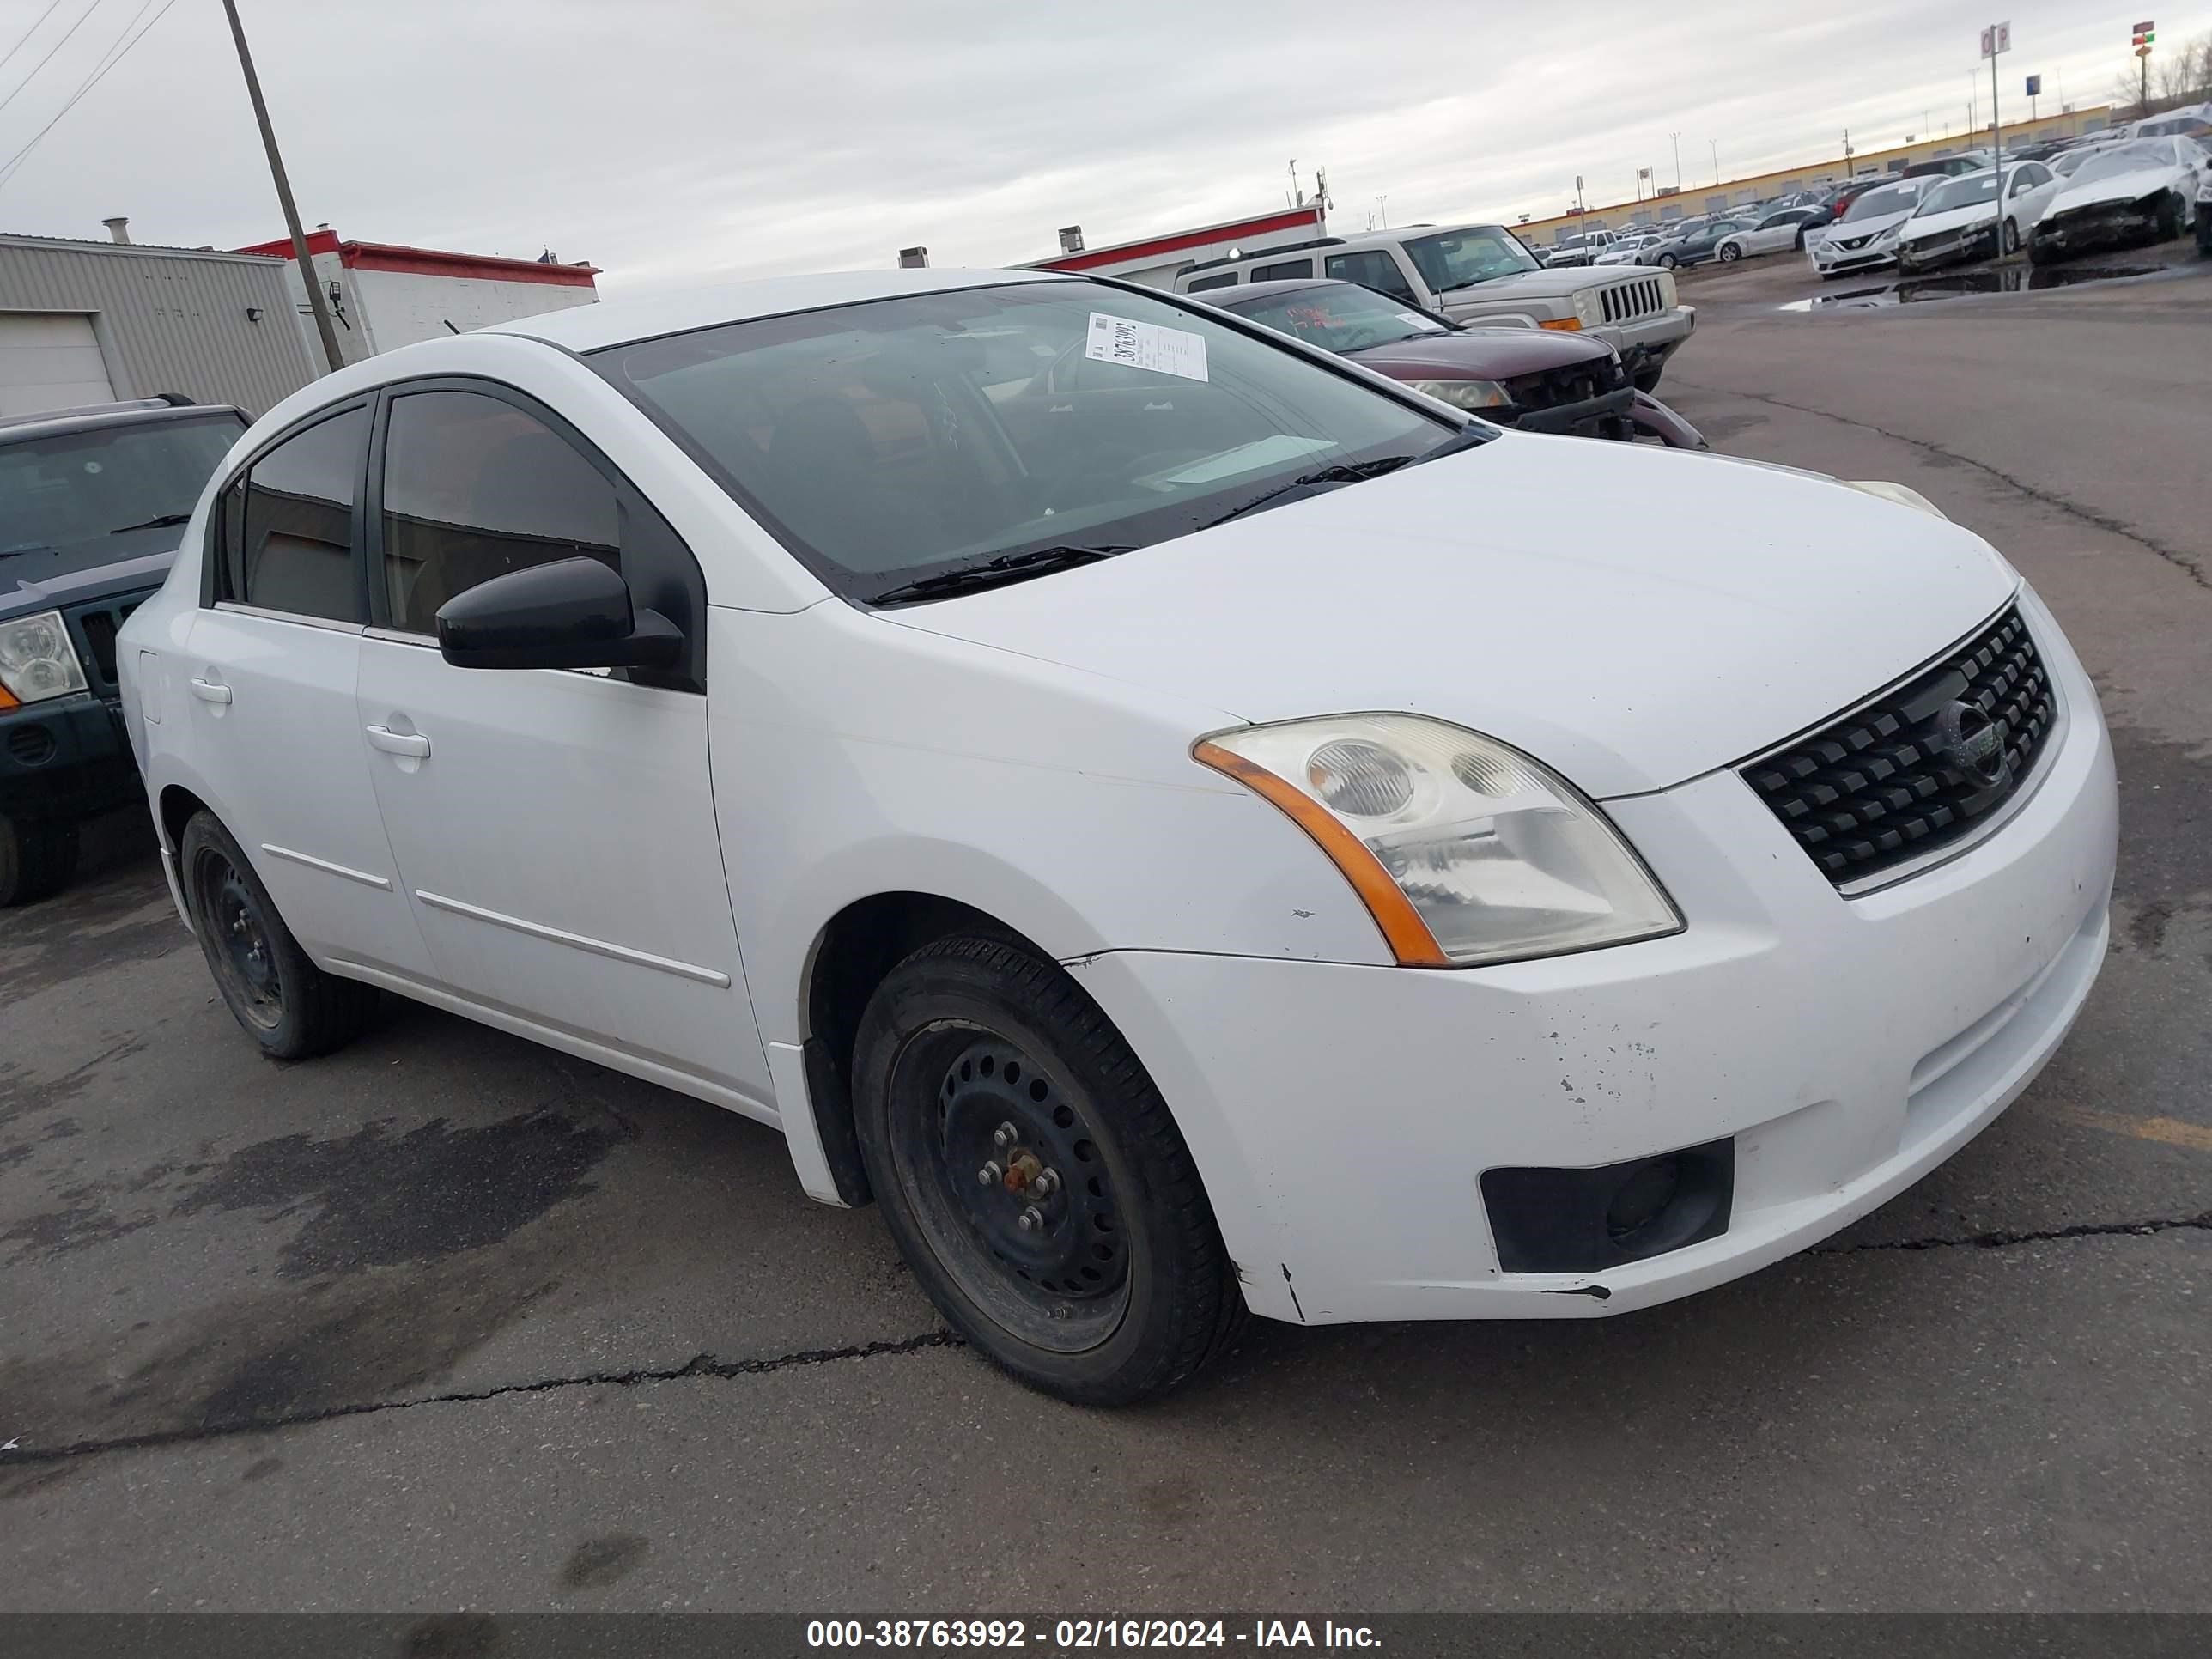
(116, 55)
(81, 20)
(52, 6)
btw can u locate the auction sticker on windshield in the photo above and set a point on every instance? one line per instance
(1415, 319)
(1145, 345)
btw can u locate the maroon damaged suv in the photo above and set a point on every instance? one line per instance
(1536, 379)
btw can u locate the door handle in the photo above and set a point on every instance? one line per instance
(398, 742)
(210, 690)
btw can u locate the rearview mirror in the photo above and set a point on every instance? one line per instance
(572, 613)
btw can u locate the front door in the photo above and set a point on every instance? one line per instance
(270, 673)
(555, 830)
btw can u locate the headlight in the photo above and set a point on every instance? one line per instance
(1586, 308)
(1667, 289)
(1465, 394)
(1464, 851)
(37, 660)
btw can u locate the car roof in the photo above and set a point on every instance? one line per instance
(617, 322)
(1262, 290)
(144, 412)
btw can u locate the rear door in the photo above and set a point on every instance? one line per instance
(555, 829)
(271, 662)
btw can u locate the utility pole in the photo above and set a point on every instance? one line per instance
(1678, 163)
(323, 327)
(1716, 143)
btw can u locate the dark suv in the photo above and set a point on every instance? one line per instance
(92, 504)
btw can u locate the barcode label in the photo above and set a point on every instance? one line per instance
(1145, 345)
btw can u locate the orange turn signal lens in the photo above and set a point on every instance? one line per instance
(8, 700)
(1571, 325)
(1403, 930)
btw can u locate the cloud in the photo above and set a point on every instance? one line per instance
(673, 141)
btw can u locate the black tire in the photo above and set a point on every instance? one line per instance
(1730, 253)
(2169, 218)
(1122, 1290)
(280, 999)
(38, 856)
(1648, 381)
(2040, 253)
(2008, 238)
(1667, 261)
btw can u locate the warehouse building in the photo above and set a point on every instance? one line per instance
(383, 295)
(85, 322)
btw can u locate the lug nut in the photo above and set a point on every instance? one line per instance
(1046, 1184)
(1032, 1218)
(1004, 1138)
(989, 1175)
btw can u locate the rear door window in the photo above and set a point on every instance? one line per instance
(288, 533)
(1372, 268)
(1286, 271)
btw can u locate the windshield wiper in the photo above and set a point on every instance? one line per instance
(995, 572)
(1353, 472)
(166, 521)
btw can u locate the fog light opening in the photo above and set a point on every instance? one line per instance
(1642, 1198)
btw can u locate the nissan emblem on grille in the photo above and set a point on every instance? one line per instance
(1919, 766)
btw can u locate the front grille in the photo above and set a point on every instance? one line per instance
(96, 626)
(1577, 383)
(1898, 777)
(1625, 302)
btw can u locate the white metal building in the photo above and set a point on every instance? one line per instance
(383, 295)
(1155, 261)
(85, 322)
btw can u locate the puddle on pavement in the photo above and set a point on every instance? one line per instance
(1956, 284)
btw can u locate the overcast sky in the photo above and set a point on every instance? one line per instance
(677, 141)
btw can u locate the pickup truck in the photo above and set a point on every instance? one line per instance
(92, 502)
(1583, 250)
(1482, 274)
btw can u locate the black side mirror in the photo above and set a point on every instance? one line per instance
(572, 613)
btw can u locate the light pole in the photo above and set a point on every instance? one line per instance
(1678, 163)
(1716, 143)
(336, 358)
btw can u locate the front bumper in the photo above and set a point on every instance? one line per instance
(2102, 226)
(1343, 1116)
(1646, 343)
(1843, 261)
(68, 758)
(1949, 249)
(1603, 417)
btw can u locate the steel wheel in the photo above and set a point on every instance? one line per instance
(243, 956)
(1007, 1175)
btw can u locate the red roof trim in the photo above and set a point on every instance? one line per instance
(1305, 218)
(431, 262)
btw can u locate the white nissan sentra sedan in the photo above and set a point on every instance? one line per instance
(1186, 825)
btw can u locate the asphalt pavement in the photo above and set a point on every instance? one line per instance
(450, 1321)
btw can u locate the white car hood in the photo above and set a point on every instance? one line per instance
(1959, 218)
(2121, 187)
(1528, 590)
(1836, 234)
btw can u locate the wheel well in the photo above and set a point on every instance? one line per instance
(862, 945)
(178, 805)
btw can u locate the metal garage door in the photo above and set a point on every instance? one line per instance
(49, 360)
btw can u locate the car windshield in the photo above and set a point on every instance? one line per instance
(1460, 258)
(1338, 317)
(1880, 204)
(82, 486)
(2125, 158)
(895, 440)
(1965, 192)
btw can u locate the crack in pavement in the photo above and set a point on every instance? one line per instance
(2182, 562)
(1997, 1241)
(698, 1365)
(14, 1455)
